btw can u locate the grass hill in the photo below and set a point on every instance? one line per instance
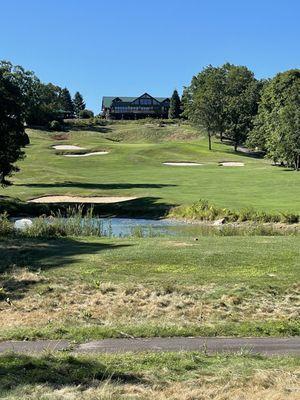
(134, 167)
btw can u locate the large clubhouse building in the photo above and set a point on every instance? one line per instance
(135, 107)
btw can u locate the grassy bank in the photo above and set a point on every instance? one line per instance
(202, 210)
(161, 376)
(84, 288)
(134, 167)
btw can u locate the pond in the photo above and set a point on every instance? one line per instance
(138, 227)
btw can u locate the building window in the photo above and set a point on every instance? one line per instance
(145, 102)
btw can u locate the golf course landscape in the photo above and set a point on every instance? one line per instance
(149, 200)
(134, 167)
(82, 288)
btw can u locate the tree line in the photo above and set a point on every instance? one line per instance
(229, 102)
(25, 100)
(42, 103)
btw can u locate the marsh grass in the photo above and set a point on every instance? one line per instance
(204, 211)
(75, 221)
(78, 221)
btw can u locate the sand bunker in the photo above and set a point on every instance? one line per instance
(182, 164)
(67, 147)
(95, 153)
(80, 199)
(232, 164)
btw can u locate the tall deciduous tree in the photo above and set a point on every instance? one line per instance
(241, 98)
(40, 102)
(223, 100)
(79, 103)
(203, 101)
(12, 135)
(175, 105)
(277, 125)
(28, 85)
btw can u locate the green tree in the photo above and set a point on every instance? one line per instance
(12, 135)
(203, 101)
(86, 114)
(66, 101)
(28, 85)
(223, 100)
(79, 104)
(241, 98)
(40, 102)
(277, 124)
(48, 105)
(175, 105)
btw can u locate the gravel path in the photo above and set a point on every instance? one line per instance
(264, 346)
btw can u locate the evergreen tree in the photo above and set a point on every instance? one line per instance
(66, 101)
(12, 135)
(79, 104)
(175, 106)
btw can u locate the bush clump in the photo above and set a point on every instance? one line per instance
(86, 114)
(204, 211)
(6, 227)
(55, 125)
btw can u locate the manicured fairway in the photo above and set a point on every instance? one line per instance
(134, 167)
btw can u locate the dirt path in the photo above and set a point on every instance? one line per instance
(264, 346)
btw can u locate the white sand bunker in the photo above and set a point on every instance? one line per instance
(95, 153)
(67, 147)
(232, 164)
(182, 164)
(81, 199)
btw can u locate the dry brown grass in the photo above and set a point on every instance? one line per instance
(262, 385)
(42, 302)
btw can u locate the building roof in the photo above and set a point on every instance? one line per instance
(107, 100)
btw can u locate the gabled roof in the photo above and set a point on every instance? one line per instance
(107, 100)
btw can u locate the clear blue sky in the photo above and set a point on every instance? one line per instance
(127, 47)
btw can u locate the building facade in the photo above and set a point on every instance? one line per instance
(135, 107)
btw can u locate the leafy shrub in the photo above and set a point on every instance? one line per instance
(6, 227)
(204, 211)
(86, 114)
(55, 125)
(289, 218)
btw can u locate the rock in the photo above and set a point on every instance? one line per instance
(219, 221)
(22, 224)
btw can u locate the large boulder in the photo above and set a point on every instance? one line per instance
(22, 224)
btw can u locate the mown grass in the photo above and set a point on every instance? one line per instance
(84, 288)
(161, 376)
(134, 167)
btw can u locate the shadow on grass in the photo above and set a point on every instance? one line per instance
(142, 207)
(90, 128)
(242, 151)
(40, 254)
(100, 186)
(19, 370)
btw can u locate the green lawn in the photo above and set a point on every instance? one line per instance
(88, 288)
(134, 167)
(181, 376)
